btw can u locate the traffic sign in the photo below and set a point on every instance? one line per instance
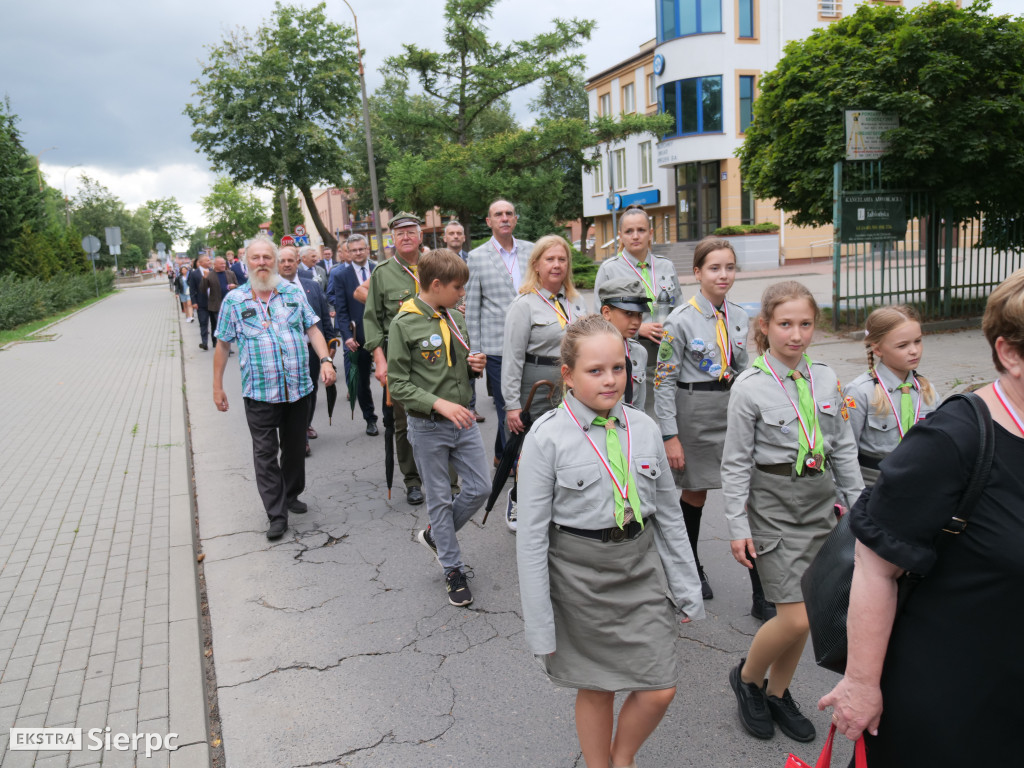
(287, 240)
(91, 244)
(299, 230)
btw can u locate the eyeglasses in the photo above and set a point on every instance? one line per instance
(405, 232)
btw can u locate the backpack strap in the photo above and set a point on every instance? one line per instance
(982, 464)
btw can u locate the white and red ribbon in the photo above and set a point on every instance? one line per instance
(622, 490)
(654, 279)
(566, 315)
(892, 405)
(812, 434)
(454, 328)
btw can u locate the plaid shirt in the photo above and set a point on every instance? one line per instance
(273, 357)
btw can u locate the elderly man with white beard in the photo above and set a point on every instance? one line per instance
(271, 322)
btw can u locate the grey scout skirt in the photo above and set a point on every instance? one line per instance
(701, 418)
(531, 375)
(789, 521)
(615, 626)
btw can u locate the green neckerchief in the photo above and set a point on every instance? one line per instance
(617, 460)
(906, 405)
(645, 271)
(808, 411)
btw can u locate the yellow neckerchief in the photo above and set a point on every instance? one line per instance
(446, 336)
(724, 348)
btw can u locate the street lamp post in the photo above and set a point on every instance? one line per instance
(67, 208)
(369, 141)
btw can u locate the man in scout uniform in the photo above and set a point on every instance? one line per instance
(429, 371)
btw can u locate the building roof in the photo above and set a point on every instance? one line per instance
(645, 50)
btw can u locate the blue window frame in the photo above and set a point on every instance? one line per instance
(677, 18)
(695, 103)
(746, 101)
(746, 18)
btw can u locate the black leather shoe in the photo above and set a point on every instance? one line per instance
(791, 721)
(762, 610)
(203, 347)
(705, 585)
(414, 495)
(277, 529)
(309, 451)
(298, 507)
(752, 702)
(371, 428)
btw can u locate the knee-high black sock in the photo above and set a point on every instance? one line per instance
(691, 516)
(755, 582)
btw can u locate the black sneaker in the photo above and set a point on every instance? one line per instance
(790, 719)
(298, 507)
(414, 495)
(458, 590)
(277, 528)
(753, 705)
(705, 585)
(424, 537)
(762, 610)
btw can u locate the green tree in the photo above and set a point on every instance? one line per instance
(469, 158)
(271, 108)
(197, 241)
(294, 213)
(22, 206)
(93, 209)
(953, 77)
(167, 221)
(234, 214)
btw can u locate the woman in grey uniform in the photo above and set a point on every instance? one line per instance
(703, 350)
(534, 326)
(601, 546)
(785, 422)
(890, 397)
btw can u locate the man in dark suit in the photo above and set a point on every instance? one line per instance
(350, 317)
(287, 268)
(198, 297)
(237, 266)
(215, 286)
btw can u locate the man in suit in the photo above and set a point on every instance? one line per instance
(309, 267)
(287, 268)
(496, 271)
(237, 266)
(198, 297)
(350, 318)
(455, 239)
(215, 286)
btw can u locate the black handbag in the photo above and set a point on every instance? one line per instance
(826, 582)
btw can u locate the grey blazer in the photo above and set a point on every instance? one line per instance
(488, 294)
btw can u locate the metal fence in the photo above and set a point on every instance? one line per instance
(945, 269)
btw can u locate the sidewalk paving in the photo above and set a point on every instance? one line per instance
(95, 528)
(337, 646)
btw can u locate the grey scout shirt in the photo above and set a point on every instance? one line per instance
(689, 353)
(662, 270)
(531, 327)
(638, 359)
(490, 291)
(763, 429)
(877, 434)
(562, 482)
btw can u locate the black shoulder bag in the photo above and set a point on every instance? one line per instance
(826, 582)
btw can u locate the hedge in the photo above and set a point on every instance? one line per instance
(766, 227)
(23, 300)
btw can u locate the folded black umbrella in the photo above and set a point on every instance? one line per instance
(510, 455)
(332, 390)
(388, 417)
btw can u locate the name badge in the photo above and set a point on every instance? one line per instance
(247, 313)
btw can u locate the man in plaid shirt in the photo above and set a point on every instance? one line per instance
(271, 322)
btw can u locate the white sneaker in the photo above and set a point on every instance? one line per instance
(510, 513)
(190, 320)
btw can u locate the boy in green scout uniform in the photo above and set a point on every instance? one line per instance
(429, 365)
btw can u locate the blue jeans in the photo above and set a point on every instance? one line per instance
(493, 373)
(436, 443)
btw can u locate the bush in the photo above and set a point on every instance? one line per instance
(24, 300)
(763, 228)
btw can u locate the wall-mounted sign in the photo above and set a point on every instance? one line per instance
(864, 129)
(659, 64)
(648, 197)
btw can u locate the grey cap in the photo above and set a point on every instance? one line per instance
(624, 293)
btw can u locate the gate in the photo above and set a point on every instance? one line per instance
(942, 267)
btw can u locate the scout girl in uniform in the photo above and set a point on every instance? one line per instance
(785, 422)
(600, 535)
(703, 350)
(890, 397)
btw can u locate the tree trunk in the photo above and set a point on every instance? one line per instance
(330, 241)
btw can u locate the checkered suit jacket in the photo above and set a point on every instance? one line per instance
(488, 294)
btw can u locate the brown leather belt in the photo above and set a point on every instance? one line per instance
(627, 532)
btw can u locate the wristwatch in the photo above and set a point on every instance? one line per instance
(327, 360)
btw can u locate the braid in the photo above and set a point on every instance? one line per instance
(927, 390)
(878, 401)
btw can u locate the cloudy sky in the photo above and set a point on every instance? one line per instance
(105, 82)
(100, 86)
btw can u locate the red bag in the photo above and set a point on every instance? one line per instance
(825, 758)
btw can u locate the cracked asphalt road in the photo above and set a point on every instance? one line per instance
(337, 646)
